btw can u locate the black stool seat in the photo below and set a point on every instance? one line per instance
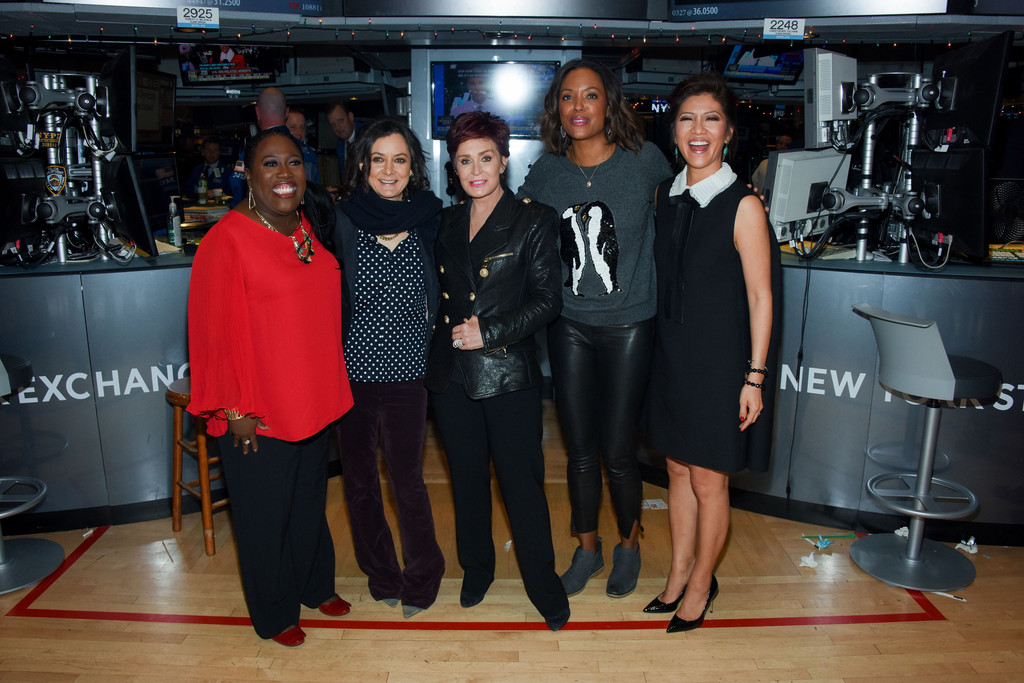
(974, 378)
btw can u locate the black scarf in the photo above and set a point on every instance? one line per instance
(372, 213)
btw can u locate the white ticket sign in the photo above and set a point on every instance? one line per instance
(783, 29)
(198, 17)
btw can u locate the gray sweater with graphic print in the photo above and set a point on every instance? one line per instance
(606, 234)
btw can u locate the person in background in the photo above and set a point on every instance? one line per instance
(343, 123)
(710, 403)
(498, 271)
(476, 98)
(757, 178)
(216, 172)
(384, 239)
(271, 112)
(264, 304)
(600, 176)
(295, 122)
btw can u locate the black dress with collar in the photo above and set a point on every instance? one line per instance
(509, 277)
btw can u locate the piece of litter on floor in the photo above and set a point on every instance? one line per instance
(508, 546)
(968, 546)
(949, 595)
(653, 504)
(88, 533)
(808, 560)
(902, 531)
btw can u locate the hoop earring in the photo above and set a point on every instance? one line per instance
(561, 132)
(608, 130)
(252, 201)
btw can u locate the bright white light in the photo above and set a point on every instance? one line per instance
(510, 85)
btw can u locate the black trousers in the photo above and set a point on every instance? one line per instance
(278, 504)
(507, 431)
(600, 375)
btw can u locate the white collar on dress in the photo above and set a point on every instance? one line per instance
(705, 190)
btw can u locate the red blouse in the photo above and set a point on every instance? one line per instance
(264, 331)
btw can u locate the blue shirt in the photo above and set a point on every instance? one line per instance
(216, 178)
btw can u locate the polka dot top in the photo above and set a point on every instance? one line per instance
(388, 340)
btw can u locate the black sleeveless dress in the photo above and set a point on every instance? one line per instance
(702, 339)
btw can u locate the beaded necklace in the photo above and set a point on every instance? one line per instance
(304, 249)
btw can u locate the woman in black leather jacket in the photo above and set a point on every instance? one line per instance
(499, 275)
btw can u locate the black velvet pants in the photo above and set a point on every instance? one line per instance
(398, 410)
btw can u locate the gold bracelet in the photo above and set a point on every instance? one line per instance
(233, 414)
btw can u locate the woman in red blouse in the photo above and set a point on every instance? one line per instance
(264, 301)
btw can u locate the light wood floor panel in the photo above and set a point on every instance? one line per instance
(145, 599)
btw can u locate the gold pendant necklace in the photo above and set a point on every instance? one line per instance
(304, 249)
(593, 173)
(388, 238)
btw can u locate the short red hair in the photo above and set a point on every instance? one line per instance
(475, 125)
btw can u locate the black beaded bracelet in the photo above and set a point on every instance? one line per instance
(753, 384)
(759, 370)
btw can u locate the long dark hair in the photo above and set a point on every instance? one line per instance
(317, 204)
(357, 159)
(623, 125)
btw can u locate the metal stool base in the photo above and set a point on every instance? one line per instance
(940, 568)
(27, 562)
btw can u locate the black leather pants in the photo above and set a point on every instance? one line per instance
(600, 375)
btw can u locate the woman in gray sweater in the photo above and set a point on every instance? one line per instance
(600, 176)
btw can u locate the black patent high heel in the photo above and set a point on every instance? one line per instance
(656, 606)
(677, 625)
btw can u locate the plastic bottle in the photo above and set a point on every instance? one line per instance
(173, 223)
(201, 188)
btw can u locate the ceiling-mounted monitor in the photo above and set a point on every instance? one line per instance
(687, 10)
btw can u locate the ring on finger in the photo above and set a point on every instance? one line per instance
(457, 344)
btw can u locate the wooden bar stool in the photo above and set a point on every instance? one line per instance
(179, 394)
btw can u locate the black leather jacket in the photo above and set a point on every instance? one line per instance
(514, 291)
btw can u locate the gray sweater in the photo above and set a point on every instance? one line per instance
(606, 234)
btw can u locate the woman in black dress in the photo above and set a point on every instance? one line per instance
(710, 402)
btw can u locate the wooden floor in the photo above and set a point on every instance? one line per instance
(139, 602)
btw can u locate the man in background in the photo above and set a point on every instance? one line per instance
(271, 112)
(296, 124)
(343, 123)
(216, 172)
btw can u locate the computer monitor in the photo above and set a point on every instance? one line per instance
(122, 194)
(970, 83)
(764, 64)
(831, 80)
(158, 182)
(952, 186)
(795, 183)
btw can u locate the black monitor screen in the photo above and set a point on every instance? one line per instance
(970, 83)
(123, 194)
(952, 185)
(202, 64)
(158, 182)
(154, 110)
(764, 64)
(512, 90)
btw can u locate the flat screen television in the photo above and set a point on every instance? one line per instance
(512, 90)
(764, 64)
(122, 193)
(202, 64)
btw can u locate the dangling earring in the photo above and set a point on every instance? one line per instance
(252, 201)
(608, 130)
(675, 149)
(561, 132)
(725, 151)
